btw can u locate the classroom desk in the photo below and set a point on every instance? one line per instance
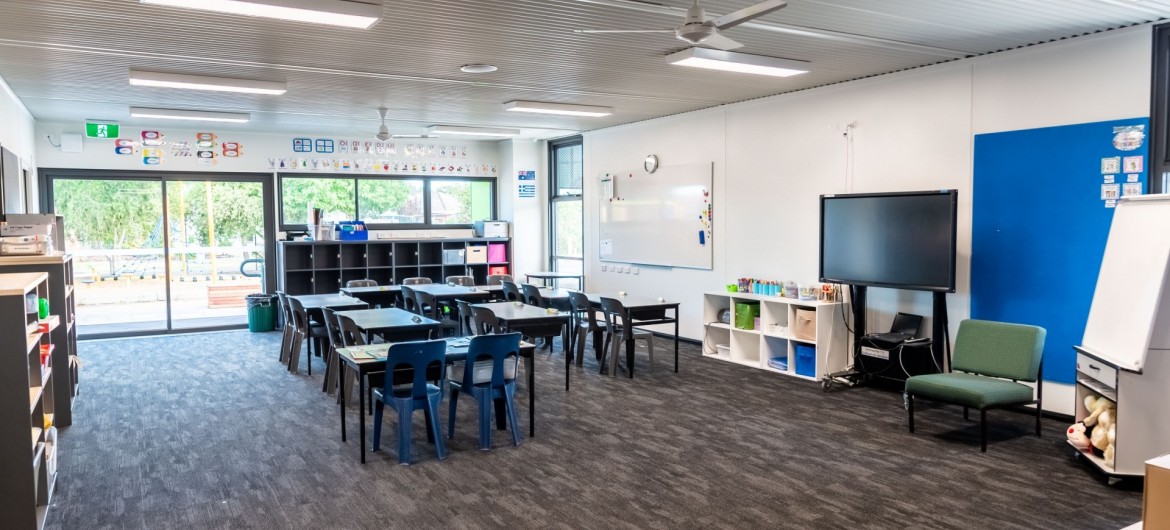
(382, 295)
(515, 316)
(449, 293)
(552, 294)
(644, 311)
(392, 323)
(554, 276)
(377, 363)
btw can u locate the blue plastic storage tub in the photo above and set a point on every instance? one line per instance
(806, 360)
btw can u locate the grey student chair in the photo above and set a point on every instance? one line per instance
(511, 292)
(466, 281)
(409, 302)
(289, 328)
(335, 341)
(305, 330)
(497, 279)
(585, 317)
(417, 280)
(361, 283)
(617, 319)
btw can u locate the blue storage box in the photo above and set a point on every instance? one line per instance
(352, 231)
(806, 360)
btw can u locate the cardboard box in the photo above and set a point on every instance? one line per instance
(477, 254)
(1156, 499)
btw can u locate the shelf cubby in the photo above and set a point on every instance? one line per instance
(327, 256)
(353, 256)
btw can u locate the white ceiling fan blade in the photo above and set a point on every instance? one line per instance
(718, 41)
(623, 31)
(736, 18)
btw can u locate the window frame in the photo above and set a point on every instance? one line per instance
(554, 198)
(426, 180)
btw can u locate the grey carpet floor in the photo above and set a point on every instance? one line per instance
(209, 431)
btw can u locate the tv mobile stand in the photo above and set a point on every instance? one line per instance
(852, 376)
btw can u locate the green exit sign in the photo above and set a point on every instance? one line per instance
(101, 130)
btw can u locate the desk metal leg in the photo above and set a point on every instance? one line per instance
(676, 341)
(341, 395)
(630, 357)
(362, 412)
(529, 365)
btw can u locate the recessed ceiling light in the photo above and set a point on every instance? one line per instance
(346, 13)
(194, 115)
(478, 68)
(200, 82)
(565, 109)
(471, 131)
(738, 62)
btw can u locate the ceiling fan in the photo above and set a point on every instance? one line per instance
(698, 29)
(383, 131)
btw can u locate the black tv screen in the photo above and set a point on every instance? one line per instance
(898, 240)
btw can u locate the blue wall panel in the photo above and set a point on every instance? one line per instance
(1039, 228)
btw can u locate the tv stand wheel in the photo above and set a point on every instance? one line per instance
(826, 384)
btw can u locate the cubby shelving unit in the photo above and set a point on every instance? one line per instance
(320, 267)
(26, 402)
(776, 336)
(59, 266)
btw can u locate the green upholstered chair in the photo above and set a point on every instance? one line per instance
(993, 358)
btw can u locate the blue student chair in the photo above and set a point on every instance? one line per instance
(489, 375)
(421, 359)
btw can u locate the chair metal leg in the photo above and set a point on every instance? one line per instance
(910, 409)
(1038, 411)
(983, 429)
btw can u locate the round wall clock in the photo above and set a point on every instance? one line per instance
(651, 163)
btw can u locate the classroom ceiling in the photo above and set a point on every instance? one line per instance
(68, 60)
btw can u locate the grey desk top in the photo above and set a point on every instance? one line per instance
(512, 313)
(442, 291)
(389, 318)
(318, 301)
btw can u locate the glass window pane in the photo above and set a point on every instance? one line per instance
(568, 170)
(390, 201)
(569, 265)
(333, 196)
(568, 237)
(460, 201)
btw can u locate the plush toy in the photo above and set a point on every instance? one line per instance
(1109, 452)
(1077, 437)
(1095, 405)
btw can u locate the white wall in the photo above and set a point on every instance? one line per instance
(17, 133)
(914, 130)
(526, 215)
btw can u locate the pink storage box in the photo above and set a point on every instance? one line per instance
(497, 253)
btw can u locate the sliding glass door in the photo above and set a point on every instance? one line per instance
(164, 252)
(114, 229)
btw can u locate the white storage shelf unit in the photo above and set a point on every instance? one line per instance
(776, 334)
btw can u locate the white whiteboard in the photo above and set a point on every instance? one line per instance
(1130, 288)
(660, 218)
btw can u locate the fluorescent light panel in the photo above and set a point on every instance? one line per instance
(331, 12)
(738, 62)
(471, 131)
(565, 109)
(201, 82)
(194, 115)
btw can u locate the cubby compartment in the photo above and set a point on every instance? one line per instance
(327, 257)
(402, 273)
(353, 256)
(380, 255)
(430, 252)
(454, 270)
(479, 272)
(348, 275)
(298, 282)
(298, 257)
(745, 348)
(776, 354)
(384, 276)
(774, 319)
(434, 272)
(326, 281)
(405, 254)
(717, 336)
